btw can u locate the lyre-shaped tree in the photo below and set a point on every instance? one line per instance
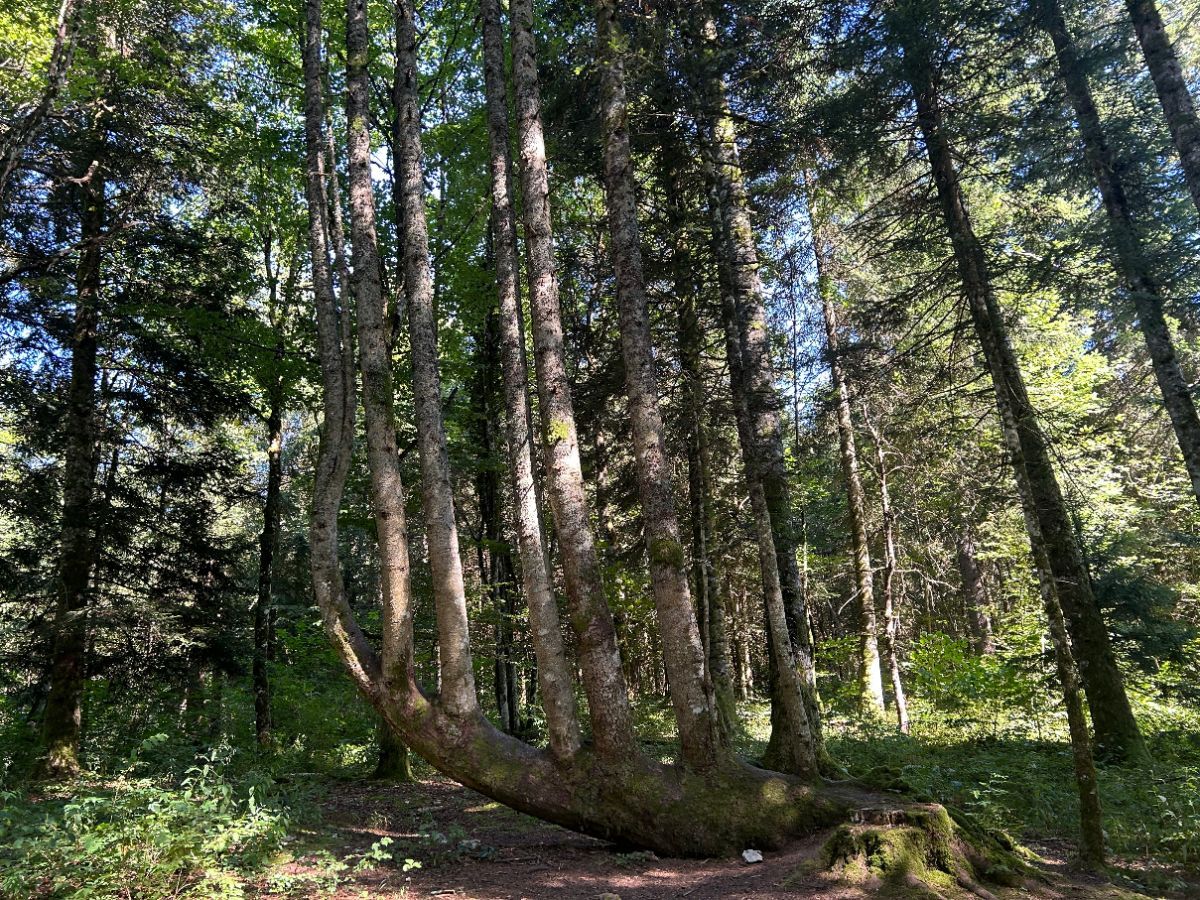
(708, 802)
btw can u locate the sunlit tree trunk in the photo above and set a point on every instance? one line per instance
(891, 570)
(553, 673)
(450, 603)
(266, 555)
(604, 684)
(1131, 261)
(683, 652)
(1112, 716)
(870, 676)
(1178, 106)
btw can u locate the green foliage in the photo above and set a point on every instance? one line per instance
(136, 836)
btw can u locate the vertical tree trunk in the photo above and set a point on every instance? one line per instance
(1178, 106)
(495, 556)
(870, 676)
(795, 744)
(699, 465)
(62, 718)
(1130, 260)
(553, 673)
(457, 678)
(393, 762)
(1112, 716)
(891, 565)
(338, 400)
(683, 652)
(599, 657)
(266, 555)
(974, 594)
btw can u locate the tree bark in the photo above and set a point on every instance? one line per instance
(457, 678)
(974, 593)
(870, 677)
(1179, 108)
(266, 554)
(1116, 730)
(553, 673)
(1130, 260)
(591, 619)
(683, 652)
(710, 603)
(62, 717)
(23, 130)
(891, 567)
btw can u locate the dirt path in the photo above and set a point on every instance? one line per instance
(469, 847)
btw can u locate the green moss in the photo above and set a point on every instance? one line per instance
(667, 552)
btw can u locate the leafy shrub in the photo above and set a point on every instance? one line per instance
(134, 837)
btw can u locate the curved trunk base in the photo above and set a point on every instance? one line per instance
(639, 801)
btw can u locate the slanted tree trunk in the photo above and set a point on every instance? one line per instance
(604, 683)
(1112, 717)
(870, 677)
(1179, 109)
(683, 652)
(1130, 260)
(974, 593)
(62, 717)
(553, 673)
(25, 127)
(1091, 821)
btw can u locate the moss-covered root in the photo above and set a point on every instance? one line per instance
(920, 851)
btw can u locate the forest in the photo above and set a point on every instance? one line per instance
(666, 448)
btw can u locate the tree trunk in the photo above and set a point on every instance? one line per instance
(23, 130)
(1091, 822)
(393, 762)
(366, 284)
(1112, 717)
(604, 684)
(554, 677)
(266, 555)
(1178, 107)
(870, 677)
(891, 566)
(710, 603)
(450, 602)
(1131, 259)
(763, 400)
(62, 717)
(683, 652)
(974, 594)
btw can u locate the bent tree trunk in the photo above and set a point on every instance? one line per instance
(707, 804)
(1179, 108)
(1112, 717)
(63, 714)
(870, 677)
(1130, 260)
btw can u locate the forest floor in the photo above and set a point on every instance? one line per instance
(470, 847)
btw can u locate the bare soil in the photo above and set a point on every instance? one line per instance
(470, 847)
